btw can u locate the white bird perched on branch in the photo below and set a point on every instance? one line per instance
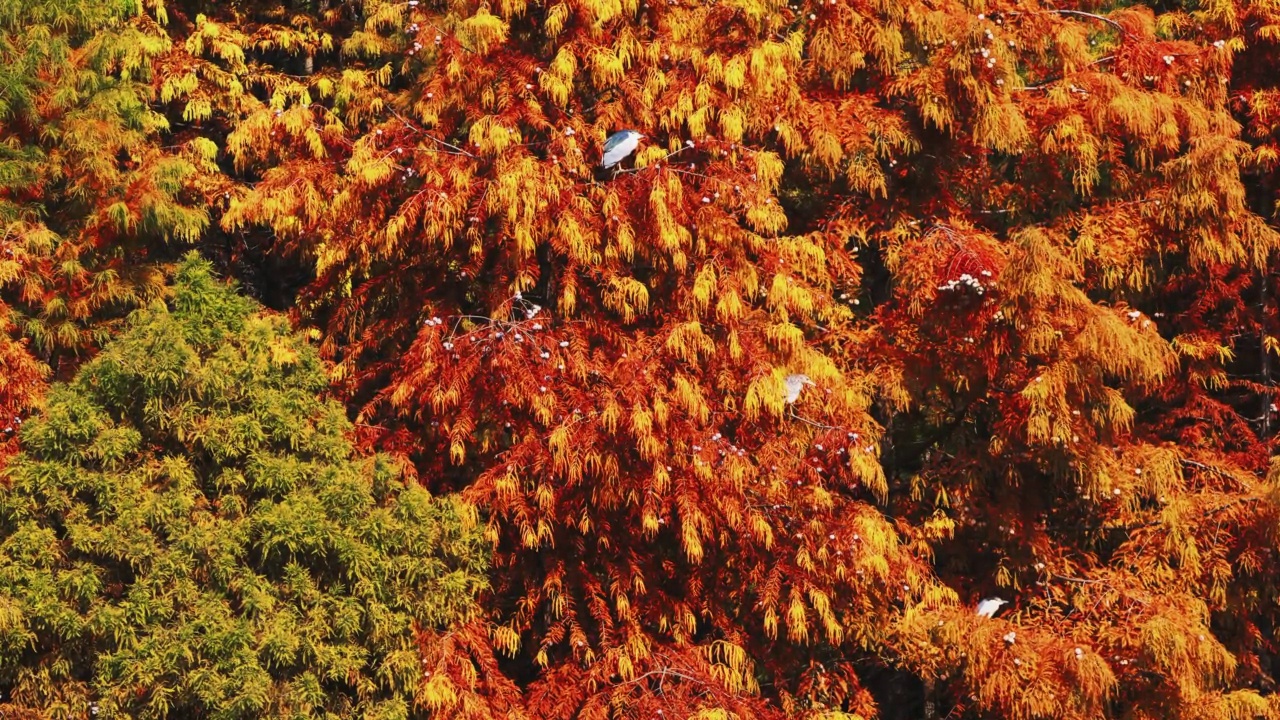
(795, 384)
(990, 606)
(618, 146)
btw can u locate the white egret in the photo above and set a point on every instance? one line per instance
(990, 606)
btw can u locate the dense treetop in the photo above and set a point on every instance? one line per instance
(187, 534)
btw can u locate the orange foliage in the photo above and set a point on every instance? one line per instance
(1024, 252)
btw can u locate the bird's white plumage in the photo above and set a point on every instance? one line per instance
(619, 146)
(990, 606)
(795, 384)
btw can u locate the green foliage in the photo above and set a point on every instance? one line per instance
(187, 534)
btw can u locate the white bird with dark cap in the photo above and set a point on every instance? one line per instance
(990, 606)
(619, 146)
(795, 385)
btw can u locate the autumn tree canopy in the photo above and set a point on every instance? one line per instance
(1025, 251)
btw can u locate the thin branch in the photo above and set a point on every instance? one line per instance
(1081, 13)
(648, 167)
(792, 412)
(1082, 581)
(1046, 83)
(1209, 468)
(409, 124)
(461, 44)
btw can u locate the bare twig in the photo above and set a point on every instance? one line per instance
(792, 412)
(410, 124)
(1082, 13)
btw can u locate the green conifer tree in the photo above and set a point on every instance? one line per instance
(187, 534)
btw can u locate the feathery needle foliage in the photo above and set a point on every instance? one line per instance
(1025, 252)
(188, 534)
